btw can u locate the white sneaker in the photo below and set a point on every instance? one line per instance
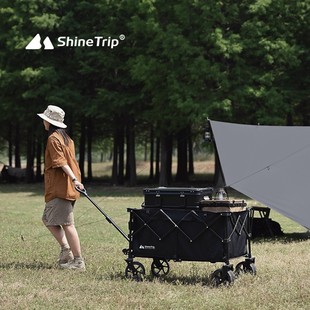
(76, 264)
(65, 256)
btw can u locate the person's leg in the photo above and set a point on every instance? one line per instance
(59, 219)
(72, 237)
(74, 242)
(58, 234)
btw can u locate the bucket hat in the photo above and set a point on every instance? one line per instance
(54, 115)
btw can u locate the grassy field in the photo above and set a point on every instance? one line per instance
(30, 279)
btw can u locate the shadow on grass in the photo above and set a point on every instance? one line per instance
(204, 279)
(35, 188)
(23, 265)
(170, 279)
(183, 280)
(285, 238)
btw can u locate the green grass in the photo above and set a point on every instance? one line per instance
(29, 278)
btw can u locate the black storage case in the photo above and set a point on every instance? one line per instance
(175, 197)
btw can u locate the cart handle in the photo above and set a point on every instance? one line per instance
(84, 193)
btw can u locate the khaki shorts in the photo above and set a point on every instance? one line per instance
(58, 212)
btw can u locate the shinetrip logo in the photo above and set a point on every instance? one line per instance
(67, 41)
(35, 43)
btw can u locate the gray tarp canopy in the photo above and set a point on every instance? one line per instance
(270, 164)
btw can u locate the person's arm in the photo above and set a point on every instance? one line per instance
(71, 175)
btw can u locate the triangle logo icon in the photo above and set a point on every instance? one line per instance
(48, 45)
(35, 43)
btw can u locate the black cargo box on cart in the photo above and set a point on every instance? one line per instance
(175, 197)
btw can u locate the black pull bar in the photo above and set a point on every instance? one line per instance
(84, 193)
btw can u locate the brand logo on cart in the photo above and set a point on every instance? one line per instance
(147, 247)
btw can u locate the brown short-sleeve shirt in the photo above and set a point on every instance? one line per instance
(57, 183)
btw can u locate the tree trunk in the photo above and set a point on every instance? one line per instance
(115, 157)
(127, 170)
(38, 159)
(289, 119)
(181, 175)
(30, 156)
(82, 149)
(89, 149)
(165, 160)
(163, 177)
(17, 147)
(169, 158)
(121, 163)
(305, 112)
(151, 174)
(190, 153)
(131, 157)
(10, 150)
(145, 149)
(157, 167)
(118, 154)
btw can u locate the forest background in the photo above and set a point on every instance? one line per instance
(177, 64)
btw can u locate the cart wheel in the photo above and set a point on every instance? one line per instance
(221, 276)
(245, 267)
(160, 266)
(135, 271)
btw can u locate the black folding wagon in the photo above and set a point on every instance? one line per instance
(187, 224)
